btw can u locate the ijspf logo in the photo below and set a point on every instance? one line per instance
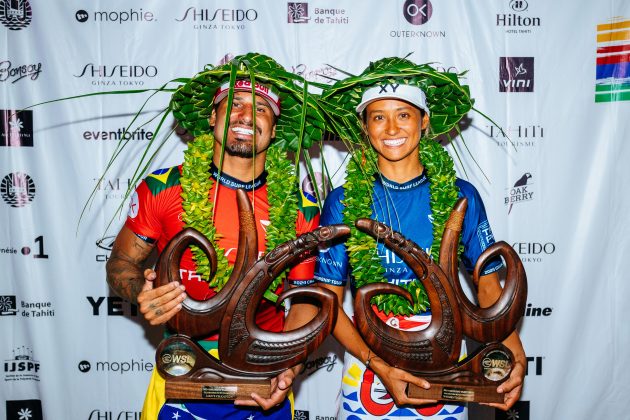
(22, 366)
(16, 128)
(15, 14)
(297, 13)
(516, 74)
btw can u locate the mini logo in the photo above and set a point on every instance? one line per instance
(519, 411)
(516, 74)
(84, 366)
(15, 14)
(520, 192)
(518, 5)
(17, 189)
(81, 16)
(24, 410)
(9, 72)
(613, 61)
(300, 414)
(297, 13)
(8, 305)
(16, 128)
(417, 12)
(22, 366)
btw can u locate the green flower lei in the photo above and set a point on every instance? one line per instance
(198, 206)
(363, 257)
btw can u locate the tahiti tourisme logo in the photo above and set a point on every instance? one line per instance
(16, 128)
(520, 192)
(613, 61)
(24, 410)
(519, 135)
(22, 366)
(17, 189)
(517, 21)
(15, 14)
(516, 74)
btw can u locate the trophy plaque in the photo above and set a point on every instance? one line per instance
(433, 353)
(248, 355)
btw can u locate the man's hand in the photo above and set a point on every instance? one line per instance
(280, 386)
(397, 380)
(512, 387)
(162, 303)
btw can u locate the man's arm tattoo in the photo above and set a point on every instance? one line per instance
(125, 269)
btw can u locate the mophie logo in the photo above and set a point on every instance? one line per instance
(517, 21)
(521, 191)
(15, 14)
(121, 367)
(516, 74)
(120, 17)
(22, 366)
(16, 128)
(17, 189)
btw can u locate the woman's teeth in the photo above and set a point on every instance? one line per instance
(393, 142)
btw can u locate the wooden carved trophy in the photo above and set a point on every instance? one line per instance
(248, 356)
(434, 352)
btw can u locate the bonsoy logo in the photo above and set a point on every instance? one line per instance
(16, 128)
(516, 74)
(17, 189)
(417, 12)
(297, 13)
(15, 14)
(24, 410)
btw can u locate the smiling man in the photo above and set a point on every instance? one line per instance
(244, 155)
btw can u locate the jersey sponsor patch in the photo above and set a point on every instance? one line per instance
(485, 235)
(134, 205)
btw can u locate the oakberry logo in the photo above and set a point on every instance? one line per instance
(520, 192)
(417, 12)
(15, 14)
(17, 189)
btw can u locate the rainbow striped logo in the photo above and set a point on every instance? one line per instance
(613, 61)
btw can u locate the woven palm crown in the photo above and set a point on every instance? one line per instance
(300, 122)
(447, 98)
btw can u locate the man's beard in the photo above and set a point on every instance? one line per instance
(240, 149)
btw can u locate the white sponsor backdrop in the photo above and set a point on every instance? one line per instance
(559, 197)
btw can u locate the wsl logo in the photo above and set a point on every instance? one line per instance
(17, 189)
(16, 128)
(22, 366)
(297, 13)
(521, 192)
(516, 74)
(15, 14)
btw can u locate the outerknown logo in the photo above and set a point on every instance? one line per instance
(297, 13)
(17, 189)
(516, 74)
(417, 12)
(24, 410)
(15, 14)
(16, 128)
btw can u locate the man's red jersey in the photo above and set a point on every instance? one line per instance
(155, 215)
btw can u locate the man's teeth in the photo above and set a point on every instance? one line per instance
(394, 142)
(240, 130)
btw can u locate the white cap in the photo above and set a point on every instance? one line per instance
(261, 89)
(412, 94)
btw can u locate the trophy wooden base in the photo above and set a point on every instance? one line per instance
(207, 390)
(457, 392)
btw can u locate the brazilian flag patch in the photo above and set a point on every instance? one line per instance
(162, 179)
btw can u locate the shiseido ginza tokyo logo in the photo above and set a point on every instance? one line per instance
(230, 19)
(117, 74)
